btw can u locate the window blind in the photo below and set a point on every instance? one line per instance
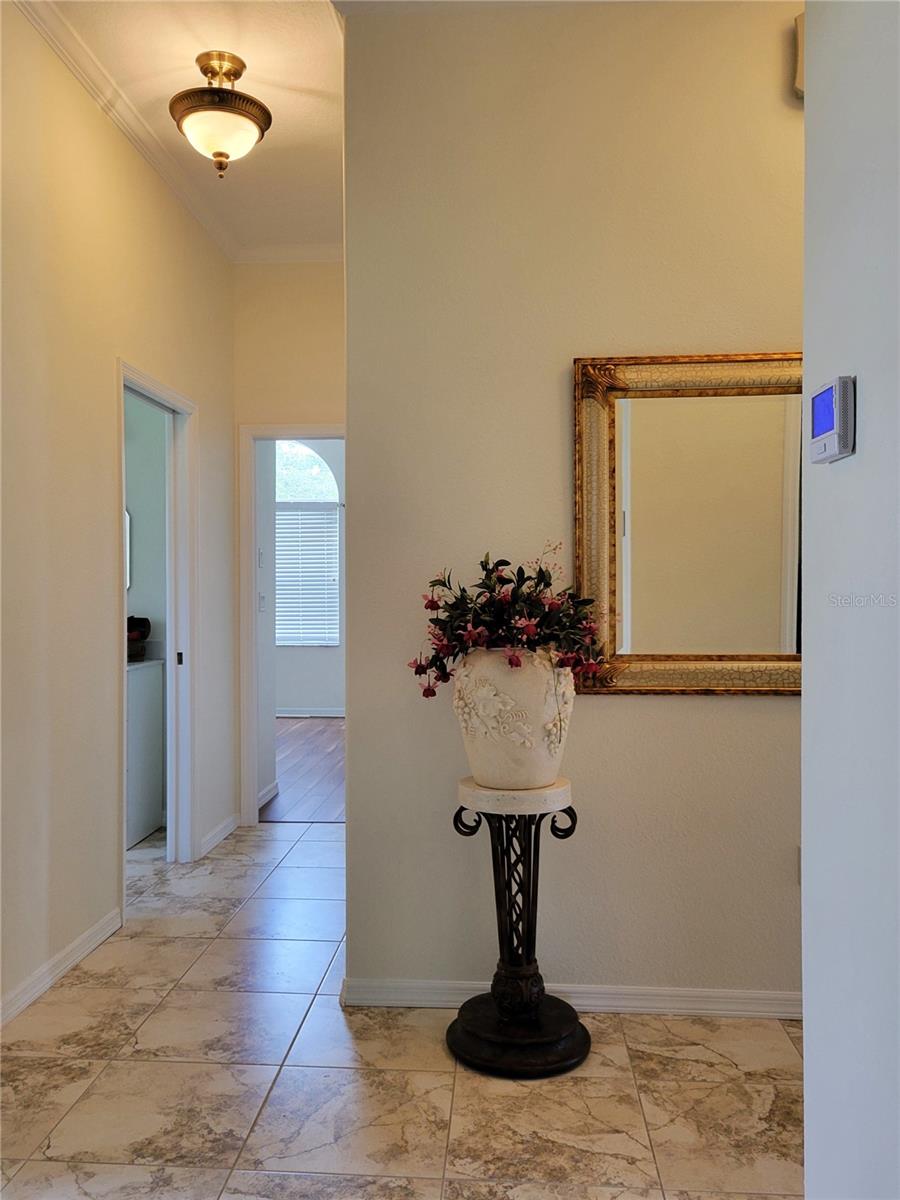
(307, 566)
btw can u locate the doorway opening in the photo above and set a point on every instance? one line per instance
(158, 540)
(293, 638)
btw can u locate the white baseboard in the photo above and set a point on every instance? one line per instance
(44, 977)
(267, 794)
(310, 712)
(707, 1002)
(216, 835)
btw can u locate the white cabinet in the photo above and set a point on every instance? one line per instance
(145, 805)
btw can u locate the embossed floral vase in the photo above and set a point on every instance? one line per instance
(514, 720)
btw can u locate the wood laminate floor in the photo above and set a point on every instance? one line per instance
(309, 754)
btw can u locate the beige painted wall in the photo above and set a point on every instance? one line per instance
(528, 183)
(99, 261)
(706, 523)
(289, 355)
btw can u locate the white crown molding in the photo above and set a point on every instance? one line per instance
(47, 18)
(707, 1002)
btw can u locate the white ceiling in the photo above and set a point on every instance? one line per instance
(283, 202)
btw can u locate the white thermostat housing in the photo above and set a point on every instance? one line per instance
(832, 420)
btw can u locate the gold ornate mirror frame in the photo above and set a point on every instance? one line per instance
(599, 382)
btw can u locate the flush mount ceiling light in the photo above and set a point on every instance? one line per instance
(219, 122)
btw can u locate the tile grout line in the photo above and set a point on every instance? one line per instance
(46, 1137)
(449, 1126)
(279, 1069)
(165, 992)
(640, 1100)
(107, 1062)
(277, 1075)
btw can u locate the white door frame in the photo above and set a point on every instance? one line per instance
(248, 436)
(181, 592)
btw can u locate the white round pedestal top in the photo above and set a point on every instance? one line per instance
(509, 802)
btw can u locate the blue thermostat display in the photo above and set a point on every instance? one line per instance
(823, 412)
(832, 423)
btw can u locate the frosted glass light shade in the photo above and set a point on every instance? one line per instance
(219, 122)
(218, 131)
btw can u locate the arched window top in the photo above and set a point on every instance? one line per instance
(302, 476)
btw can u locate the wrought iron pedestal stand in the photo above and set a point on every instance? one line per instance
(516, 1029)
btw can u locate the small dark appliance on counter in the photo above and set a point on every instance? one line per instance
(138, 632)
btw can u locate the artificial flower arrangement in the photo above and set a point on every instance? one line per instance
(513, 609)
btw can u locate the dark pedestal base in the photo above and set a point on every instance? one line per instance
(553, 1042)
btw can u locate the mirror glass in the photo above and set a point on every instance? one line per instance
(708, 524)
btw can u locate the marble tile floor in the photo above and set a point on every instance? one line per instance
(201, 1053)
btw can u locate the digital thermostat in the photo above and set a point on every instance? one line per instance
(833, 420)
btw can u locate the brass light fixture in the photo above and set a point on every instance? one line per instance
(219, 122)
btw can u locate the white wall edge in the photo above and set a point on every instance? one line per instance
(220, 832)
(45, 976)
(708, 1002)
(310, 712)
(268, 793)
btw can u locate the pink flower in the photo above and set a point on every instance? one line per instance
(586, 666)
(550, 602)
(512, 658)
(430, 603)
(475, 636)
(418, 666)
(527, 627)
(439, 641)
(428, 690)
(505, 593)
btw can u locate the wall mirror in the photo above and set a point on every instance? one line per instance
(687, 520)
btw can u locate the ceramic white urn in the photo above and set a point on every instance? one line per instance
(514, 720)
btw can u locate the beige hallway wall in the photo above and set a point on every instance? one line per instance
(289, 369)
(528, 183)
(289, 356)
(99, 261)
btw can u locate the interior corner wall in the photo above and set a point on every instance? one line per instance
(527, 183)
(289, 352)
(851, 619)
(99, 261)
